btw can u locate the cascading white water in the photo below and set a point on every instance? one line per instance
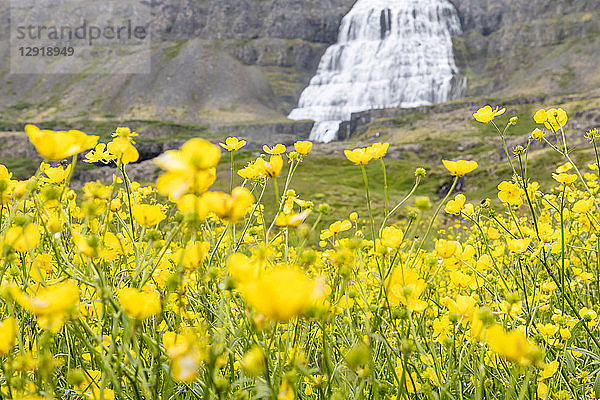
(390, 53)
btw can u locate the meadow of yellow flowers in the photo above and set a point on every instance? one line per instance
(174, 291)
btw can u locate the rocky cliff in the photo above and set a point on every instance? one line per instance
(228, 61)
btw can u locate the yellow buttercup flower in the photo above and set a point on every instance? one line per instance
(486, 114)
(139, 305)
(195, 154)
(123, 150)
(229, 207)
(186, 352)
(281, 294)
(510, 193)
(124, 132)
(292, 220)
(391, 237)
(446, 248)
(254, 362)
(557, 118)
(8, 334)
(242, 269)
(459, 167)
(537, 134)
(540, 116)
(56, 145)
(4, 173)
(462, 306)
(359, 156)
(303, 147)
(405, 286)
(99, 154)
(148, 214)
(456, 206)
(189, 170)
(52, 305)
(275, 151)
(512, 345)
(518, 246)
(583, 206)
(56, 175)
(272, 168)
(378, 150)
(233, 144)
(565, 179)
(193, 254)
(23, 238)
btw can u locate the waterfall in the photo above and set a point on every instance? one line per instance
(389, 53)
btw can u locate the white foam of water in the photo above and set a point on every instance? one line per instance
(390, 53)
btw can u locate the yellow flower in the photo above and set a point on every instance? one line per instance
(229, 207)
(583, 206)
(542, 391)
(463, 306)
(549, 370)
(359, 156)
(275, 151)
(250, 171)
(460, 167)
(456, 206)
(8, 333)
(194, 254)
(56, 145)
(547, 330)
(56, 174)
(557, 118)
(405, 286)
(190, 169)
(286, 391)
(335, 228)
(537, 134)
(123, 150)
(292, 220)
(509, 193)
(4, 174)
(272, 168)
(512, 345)
(391, 237)
(564, 167)
(518, 246)
(139, 305)
(124, 132)
(241, 268)
(148, 214)
(281, 294)
(233, 144)
(52, 305)
(486, 114)
(186, 351)
(99, 154)
(303, 147)
(378, 150)
(446, 248)
(540, 116)
(565, 179)
(23, 238)
(195, 154)
(254, 361)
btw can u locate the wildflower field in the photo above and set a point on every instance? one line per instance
(174, 291)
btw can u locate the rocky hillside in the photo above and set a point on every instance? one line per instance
(529, 47)
(232, 61)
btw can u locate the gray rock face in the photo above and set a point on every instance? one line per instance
(251, 59)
